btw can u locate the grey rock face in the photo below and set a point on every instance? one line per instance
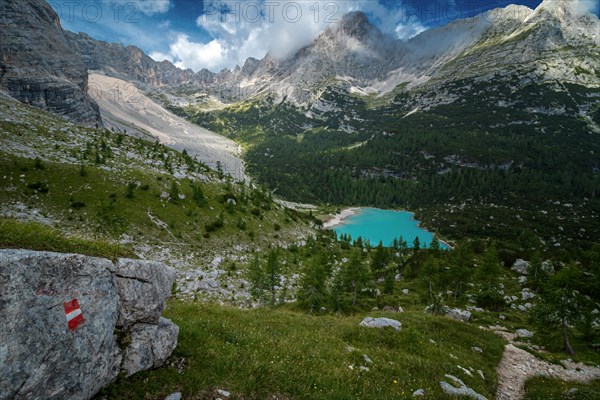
(143, 288)
(37, 64)
(151, 345)
(39, 356)
(59, 316)
(370, 322)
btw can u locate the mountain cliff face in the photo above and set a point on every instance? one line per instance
(37, 64)
(126, 62)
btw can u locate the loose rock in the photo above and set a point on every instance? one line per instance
(381, 323)
(462, 390)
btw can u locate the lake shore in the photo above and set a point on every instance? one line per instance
(338, 219)
(335, 220)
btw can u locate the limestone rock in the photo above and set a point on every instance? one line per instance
(462, 389)
(524, 333)
(60, 314)
(143, 288)
(381, 323)
(459, 315)
(521, 267)
(150, 345)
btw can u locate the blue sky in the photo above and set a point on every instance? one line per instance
(221, 34)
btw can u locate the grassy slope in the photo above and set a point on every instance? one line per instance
(111, 162)
(33, 236)
(548, 389)
(264, 352)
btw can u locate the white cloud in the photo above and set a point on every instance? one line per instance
(187, 54)
(409, 29)
(164, 24)
(151, 7)
(252, 29)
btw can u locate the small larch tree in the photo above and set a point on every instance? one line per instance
(356, 274)
(560, 304)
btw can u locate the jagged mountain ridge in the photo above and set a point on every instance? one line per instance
(555, 42)
(356, 55)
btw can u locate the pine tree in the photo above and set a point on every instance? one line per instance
(198, 194)
(257, 277)
(461, 269)
(337, 290)
(435, 244)
(379, 261)
(174, 192)
(561, 304)
(313, 290)
(356, 274)
(389, 279)
(490, 270)
(273, 273)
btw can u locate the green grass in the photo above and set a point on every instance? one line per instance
(263, 352)
(15, 234)
(551, 389)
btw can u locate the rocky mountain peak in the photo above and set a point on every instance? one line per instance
(565, 11)
(356, 24)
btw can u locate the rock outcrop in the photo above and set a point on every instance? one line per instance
(38, 65)
(71, 323)
(371, 322)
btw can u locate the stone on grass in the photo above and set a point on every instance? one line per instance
(174, 396)
(150, 346)
(526, 294)
(521, 267)
(371, 322)
(459, 315)
(418, 393)
(524, 333)
(223, 393)
(477, 349)
(458, 388)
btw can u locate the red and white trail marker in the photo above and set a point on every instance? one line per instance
(73, 314)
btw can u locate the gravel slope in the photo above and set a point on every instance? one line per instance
(123, 106)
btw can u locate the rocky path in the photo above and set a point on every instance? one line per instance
(518, 365)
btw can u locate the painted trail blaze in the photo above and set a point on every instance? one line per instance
(73, 314)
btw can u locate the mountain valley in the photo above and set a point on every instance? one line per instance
(486, 128)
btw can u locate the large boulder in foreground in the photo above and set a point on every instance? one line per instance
(71, 323)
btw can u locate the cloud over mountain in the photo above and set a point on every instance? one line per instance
(240, 30)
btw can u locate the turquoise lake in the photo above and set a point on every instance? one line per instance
(377, 225)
